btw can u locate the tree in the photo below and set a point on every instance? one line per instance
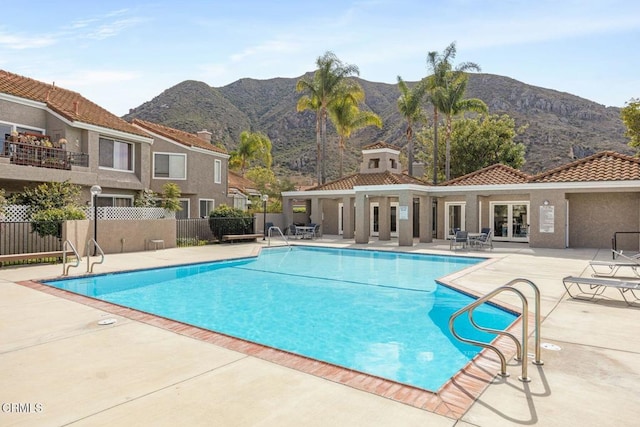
(263, 178)
(322, 89)
(254, 146)
(451, 104)
(311, 102)
(51, 203)
(631, 117)
(171, 197)
(476, 143)
(409, 105)
(3, 201)
(484, 141)
(346, 116)
(442, 70)
(146, 199)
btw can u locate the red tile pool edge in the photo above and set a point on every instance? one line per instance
(452, 400)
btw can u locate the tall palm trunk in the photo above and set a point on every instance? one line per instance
(341, 146)
(435, 145)
(318, 143)
(324, 145)
(447, 138)
(410, 149)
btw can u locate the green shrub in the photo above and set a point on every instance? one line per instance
(48, 222)
(227, 220)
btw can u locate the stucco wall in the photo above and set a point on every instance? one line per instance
(199, 182)
(23, 115)
(594, 217)
(121, 236)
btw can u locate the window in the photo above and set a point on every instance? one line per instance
(166, 165)
(184, 212)
(6, 129)
(105, 200)
(116, 154)
(374, 163)
(206, 206)
(217, 171)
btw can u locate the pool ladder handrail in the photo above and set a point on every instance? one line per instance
(521, 349)
(275, 227)
(65, 268)
(98, 249)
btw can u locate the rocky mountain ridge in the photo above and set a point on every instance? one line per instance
(561, 126)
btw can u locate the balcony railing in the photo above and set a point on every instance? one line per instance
(42, 157)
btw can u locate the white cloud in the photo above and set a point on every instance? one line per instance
(90, 78)
(18, 42)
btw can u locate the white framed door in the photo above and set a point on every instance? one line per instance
(374, 223)
(454, 217)
(510, 221)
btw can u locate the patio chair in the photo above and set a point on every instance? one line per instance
(267, 226)
(589, 288)
(461, 240)
(293, 231)
(625, 262)
(316, 230)
(485, 239)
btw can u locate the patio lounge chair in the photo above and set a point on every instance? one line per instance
(589, 288)
(461, 240)
(611, 268)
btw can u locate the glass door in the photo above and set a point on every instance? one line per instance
(454, 218)
(510, 221)
(375, 219)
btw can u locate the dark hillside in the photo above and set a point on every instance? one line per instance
(561, 126)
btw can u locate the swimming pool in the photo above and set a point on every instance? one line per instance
(380, 313)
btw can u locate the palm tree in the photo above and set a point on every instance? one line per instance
(323, 88)
(347, 117)
(451, 104)
(253, 146)
(311, 102)
(442, 71)
(409, 105)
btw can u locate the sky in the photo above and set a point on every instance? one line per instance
(120, 54)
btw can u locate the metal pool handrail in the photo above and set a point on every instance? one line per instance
(521, 348)
(65, 268)
(99, 249)
(275, 227)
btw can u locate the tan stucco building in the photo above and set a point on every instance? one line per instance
(51, 134)
(581, 204)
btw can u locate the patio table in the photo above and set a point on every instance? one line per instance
(305, 230)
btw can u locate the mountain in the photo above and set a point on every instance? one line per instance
(561, 126)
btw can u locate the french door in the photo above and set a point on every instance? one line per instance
(454, 217)
(510, 221)
(375, 219)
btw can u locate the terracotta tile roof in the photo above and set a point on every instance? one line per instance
(70, 105)
(184, 138)
(360, 179)
(379, 145)
(603, 166)
(237, 181)
(491, 175)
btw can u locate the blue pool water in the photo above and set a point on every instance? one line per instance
(381, 313)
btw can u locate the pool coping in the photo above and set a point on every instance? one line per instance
(452, 400)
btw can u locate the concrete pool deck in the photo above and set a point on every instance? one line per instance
(60, 367)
